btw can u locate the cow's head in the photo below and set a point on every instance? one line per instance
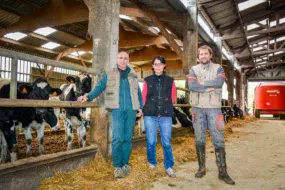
(83, 84)
(49, 116)
(41, 89)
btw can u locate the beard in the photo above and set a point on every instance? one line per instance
(206, 62)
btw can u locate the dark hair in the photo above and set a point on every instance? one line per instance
(161, 59)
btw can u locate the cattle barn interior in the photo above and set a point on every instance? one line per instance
(58, 40)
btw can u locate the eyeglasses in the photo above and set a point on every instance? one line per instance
(123, 58)
(158, 64)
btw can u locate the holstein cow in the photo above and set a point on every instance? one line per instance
(76, 117)
(28, 117)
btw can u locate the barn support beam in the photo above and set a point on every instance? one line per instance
(13, 83)
(44, 103)
(105, 34)
(238, 86)
(218, 52)
(190, 37)
(230, 83)
(243, 83)
(190, 40)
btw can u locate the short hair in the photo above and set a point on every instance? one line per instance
(161, 59)
(121, 51)
(207, 48)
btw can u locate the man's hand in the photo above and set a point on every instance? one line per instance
(139, 114)
(82, 99)
(210, 89)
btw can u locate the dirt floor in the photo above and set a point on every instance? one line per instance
(255, 159)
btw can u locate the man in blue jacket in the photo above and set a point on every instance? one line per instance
(205, 82)
(123, 97)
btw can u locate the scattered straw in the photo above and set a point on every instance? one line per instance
(98, 174)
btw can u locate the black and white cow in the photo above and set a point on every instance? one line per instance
(238, 113)
(75, 117)
(28, 117)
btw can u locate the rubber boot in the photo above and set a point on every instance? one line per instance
(200, 150)
(222, 166)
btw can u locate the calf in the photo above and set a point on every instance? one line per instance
(30, 117)
(238, 113)
(76, 117)
(183, 119)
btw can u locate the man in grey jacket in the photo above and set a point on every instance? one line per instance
(205, 82)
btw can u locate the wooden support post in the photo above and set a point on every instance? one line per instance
(238, 87)
(218, 52)
(105, 32)
(243, 97)
(13, 83)
(190, 40)
(230, 83)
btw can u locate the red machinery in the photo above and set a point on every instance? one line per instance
(270, 99)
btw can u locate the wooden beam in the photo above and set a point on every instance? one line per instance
(165, 16)
(49, 39)
(162, 27)
(271, 63)
(13, 83)
(147, 29)
(148, 53)
(44, 103)
(236, 22)
(233, 36)
(258, 53)
(44, 61)
(48, 15)
(280, 78)
(275, 29)
(70, 12)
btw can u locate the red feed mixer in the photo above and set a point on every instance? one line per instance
(270, 99)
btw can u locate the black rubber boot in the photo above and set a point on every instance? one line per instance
(222, 166)
(201, 161)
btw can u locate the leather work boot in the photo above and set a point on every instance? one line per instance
(200, 150)
(222, 166)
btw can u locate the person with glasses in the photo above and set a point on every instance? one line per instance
(123, 97)
(205, 83)
(159, 94)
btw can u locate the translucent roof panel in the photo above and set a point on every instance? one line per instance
(50, 45)
(253, 26)
(248, 4)
(45, 31)
(15, 36)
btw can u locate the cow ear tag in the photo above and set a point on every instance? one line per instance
(24, 91)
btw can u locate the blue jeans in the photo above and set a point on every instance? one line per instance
(211, 118)
(164, 124)
(123, 122)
